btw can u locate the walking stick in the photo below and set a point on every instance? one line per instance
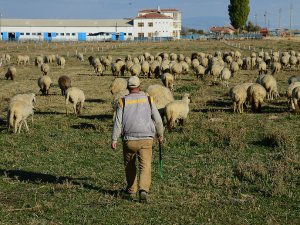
(160, 159)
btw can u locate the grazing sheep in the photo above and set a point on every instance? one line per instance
(91, 59)
(246, 63)
(38, 60)
(195, 63)
(161, 95)
(290, 90)
(44, 83)
(234, 68)
(293, 79)
(176, 70)
(118, 85)
(215, 70)
(135, 70)
(270, 84)
(293, 61)
(128, 65)
(165, 66)
(64, 82)
(256, 94)
(188, 60)
(75, 96)
(80, 57)
(28, 98)
(116, 68)
(177, 110)
(262, 68)
(155, 69)
(185, 67)
(168, 80)
(285, 61)
(45, 68)
(106, 63)
(98, 68)
(238, 95)
(17, 114)
(225, 75)
(22, 59)
(276, 67)
(204, 62)
(5, 58)
(11, 73)
(200, 71)
(61, 62)
(295, 98)
(145, 69)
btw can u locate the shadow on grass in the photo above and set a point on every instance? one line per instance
(99, 117)
(95, 100)
(38, 178)
(84, 126)
(48, 113)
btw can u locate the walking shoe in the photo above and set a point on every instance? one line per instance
(128, 196)
(143, 196)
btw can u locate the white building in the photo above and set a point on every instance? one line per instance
(149, 24)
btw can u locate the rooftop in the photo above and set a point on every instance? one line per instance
(154, 15)
(155, 10)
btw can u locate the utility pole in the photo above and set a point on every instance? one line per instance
(265, 15)
(255, 18)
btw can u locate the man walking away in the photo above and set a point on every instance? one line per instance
(137, 120)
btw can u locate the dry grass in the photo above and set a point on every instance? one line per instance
(219, 168)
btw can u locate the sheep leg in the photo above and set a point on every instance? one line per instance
(74, 107)
(26, 126)
(234, 107)
(20, 126)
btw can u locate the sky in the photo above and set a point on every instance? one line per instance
(197, 14)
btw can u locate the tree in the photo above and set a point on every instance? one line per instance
(238, 13)
(251, 28)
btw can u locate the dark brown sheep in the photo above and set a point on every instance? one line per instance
(64, 82)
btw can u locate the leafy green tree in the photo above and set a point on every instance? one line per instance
(238, 13)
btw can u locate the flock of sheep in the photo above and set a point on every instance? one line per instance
(168, 67)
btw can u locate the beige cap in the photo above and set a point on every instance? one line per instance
(133, 82)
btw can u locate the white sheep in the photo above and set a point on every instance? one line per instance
(168, 80)
(270, 84)
(38, 60)
(45, 68)
(176, 70)
(118, 85)
(135, 70)
(75, 96)
(177, 110)
(276, 67)
(145, 68)
(80, 56)
(225, 75)
(262, 68)
(296, 98)
(11, 73)
(293, 79)
(61, 61)
(200, 71)
(17, 114)
(22, 59)
(44, 83)
(238, 95)
(256, 94)
(155, 69)
(290, 90)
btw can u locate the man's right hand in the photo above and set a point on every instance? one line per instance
(114, 145)
(160, 139)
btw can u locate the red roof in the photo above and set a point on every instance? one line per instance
(153, 16)
(155, 10)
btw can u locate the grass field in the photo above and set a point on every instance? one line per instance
(220, 168)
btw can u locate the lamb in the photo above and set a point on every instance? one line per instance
(80, 57)
(145, 69)
(75, 96)
(296, 98)
(45, 68)
(44, 83)
(238, 95)
(135, 70)
(17, 114)
(61, 62)
(225, 75)
(177, 110)
(256, 94)
(22, 59)
(64, 82)
(118, 85)
(11, 73)
(270, 84)
(168, 80)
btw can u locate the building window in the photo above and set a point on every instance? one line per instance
(140, 35)
(67, 34)
(150, 34)
(27, 34)
(62, 34)
(73, 34)
(21, 33)
(33, 34)
(140, 24)
(39, 34)
(150, 24)
(129, 34)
